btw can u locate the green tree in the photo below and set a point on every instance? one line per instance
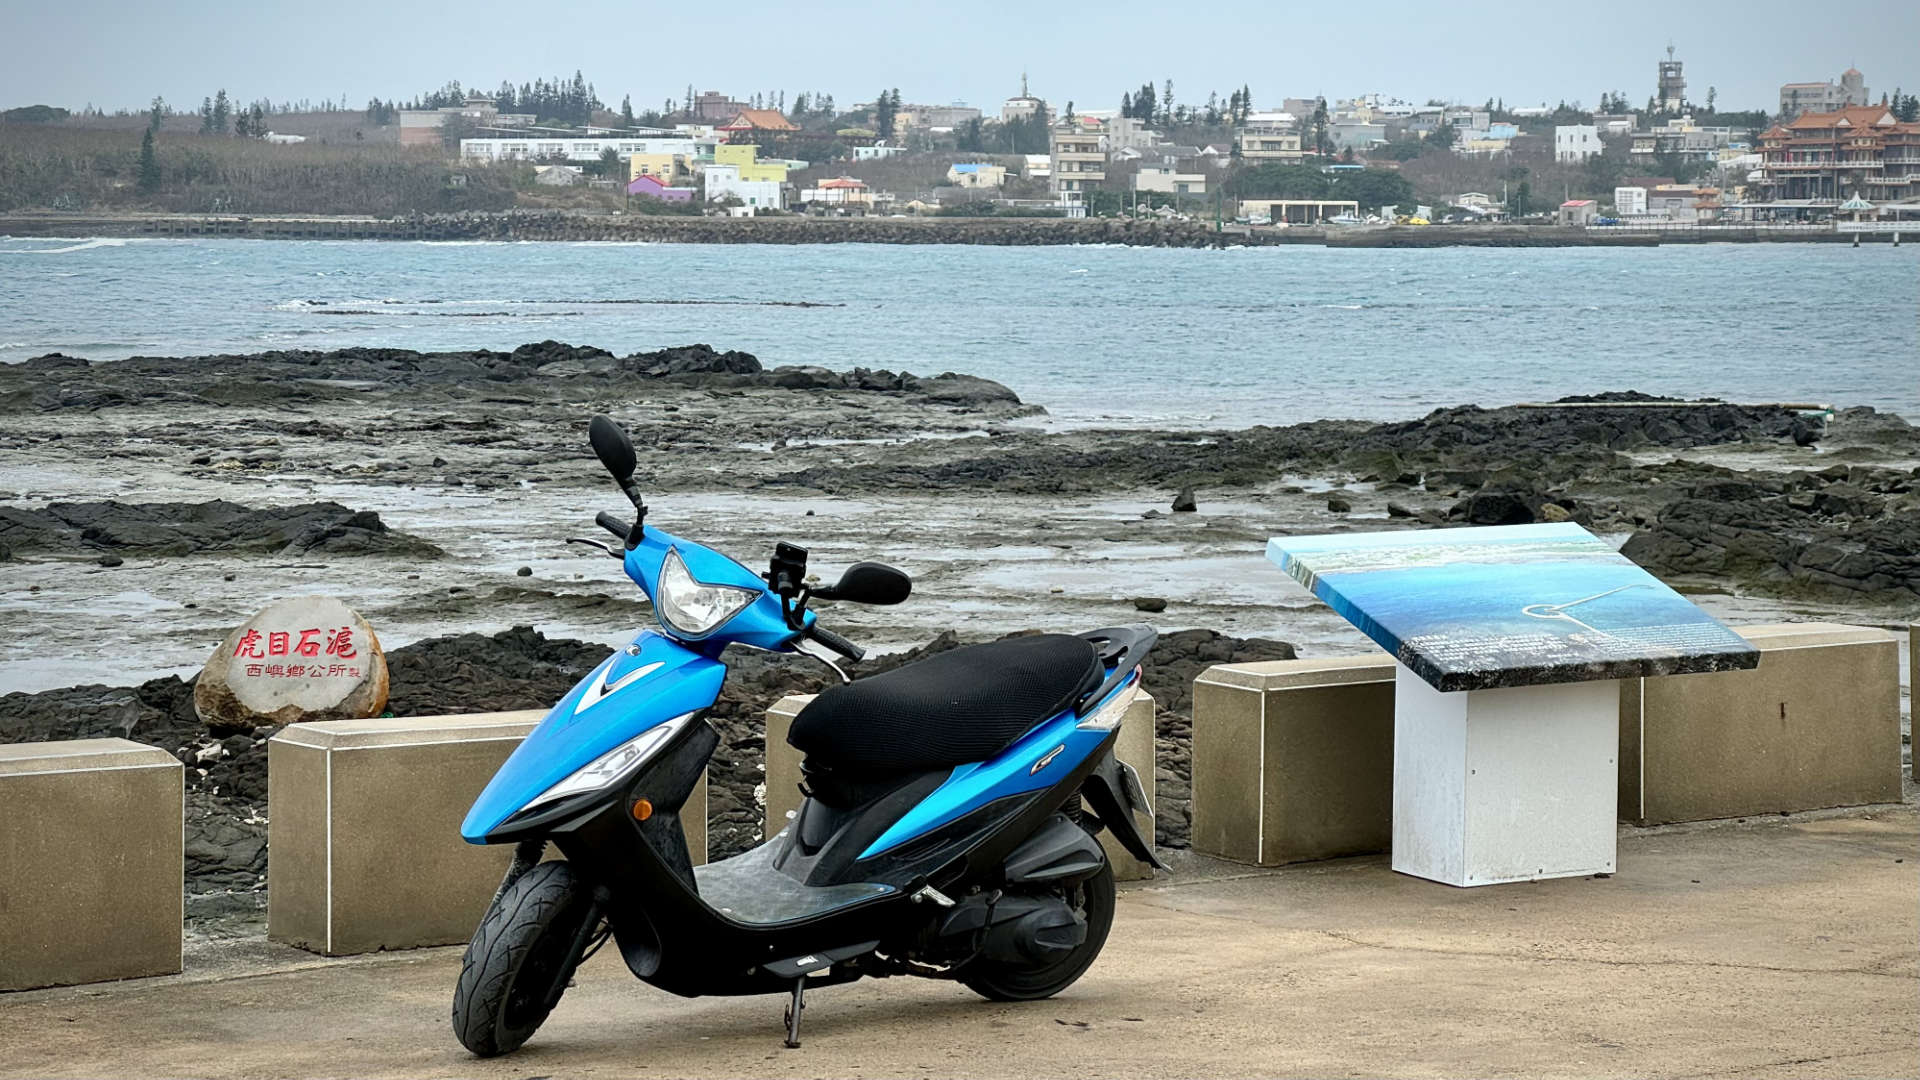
(884, 113)
(969, 139)
(626, 111)
(1521, 202)
(206, 116)
(222, 111)
(1274, 180)
(1444, 136)
(149, 164)
(156, 114)
(1322, 140)
(1373, 188)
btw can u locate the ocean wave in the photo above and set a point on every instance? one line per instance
(73, 243)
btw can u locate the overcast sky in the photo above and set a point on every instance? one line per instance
(121, 53)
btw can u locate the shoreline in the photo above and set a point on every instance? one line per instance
(567, 227)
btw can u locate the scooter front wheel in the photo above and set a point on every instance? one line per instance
(521, 958)
(997, 980)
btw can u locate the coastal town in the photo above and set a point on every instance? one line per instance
(1829, 156)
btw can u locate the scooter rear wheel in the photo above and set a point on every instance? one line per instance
(520, 959)
(1000, 981)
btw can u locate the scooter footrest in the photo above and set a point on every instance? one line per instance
(815, 962)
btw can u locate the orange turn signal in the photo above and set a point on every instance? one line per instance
(642, 810)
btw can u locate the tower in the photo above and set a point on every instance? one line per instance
(1672, 94)
(1853, 87)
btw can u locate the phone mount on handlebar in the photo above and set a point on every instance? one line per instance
(787, 576)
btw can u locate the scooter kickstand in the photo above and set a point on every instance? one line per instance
(794, 1009)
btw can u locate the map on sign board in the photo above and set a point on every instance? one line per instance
(1509, 605)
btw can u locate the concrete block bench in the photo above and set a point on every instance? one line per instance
(1817, 724)
(1293, 759)
(1135, 747)
(364, 850)
(92, 862)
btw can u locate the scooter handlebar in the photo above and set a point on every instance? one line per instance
(612, 523)
(835, 642)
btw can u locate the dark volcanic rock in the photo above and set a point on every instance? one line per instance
(202, 528)
(692, 360)
(274, 378)
(514, 669)
(1837, 540)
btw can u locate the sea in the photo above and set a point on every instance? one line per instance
(1101, 335)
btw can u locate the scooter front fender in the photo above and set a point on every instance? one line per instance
(647, 683)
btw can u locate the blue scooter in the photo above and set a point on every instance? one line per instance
(947, 831)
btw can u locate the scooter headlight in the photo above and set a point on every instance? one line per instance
(693, 607)
(614, 765)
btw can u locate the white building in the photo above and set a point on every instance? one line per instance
(723, 181)
(1630, 201)
(1169, 180)
(541, 147)
(1127, 131)
(1576, 142)
(876, 152)
(557, 175)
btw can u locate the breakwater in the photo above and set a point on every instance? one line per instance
(1000, 232)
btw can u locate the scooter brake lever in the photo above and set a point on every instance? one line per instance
(594, 544)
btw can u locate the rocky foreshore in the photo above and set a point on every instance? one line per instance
(1762, 497)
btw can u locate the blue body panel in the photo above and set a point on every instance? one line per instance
(761, 625)
(685, 677)
(1009, 773)
(571, 737)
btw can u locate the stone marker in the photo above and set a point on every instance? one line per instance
(303, 658)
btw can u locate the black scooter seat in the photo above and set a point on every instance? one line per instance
(955, 707)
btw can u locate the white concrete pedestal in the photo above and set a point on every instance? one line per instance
(1513, 784)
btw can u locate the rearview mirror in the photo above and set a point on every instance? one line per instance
(869, 583)
(613, 448)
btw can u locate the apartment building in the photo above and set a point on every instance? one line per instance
(1079, 160)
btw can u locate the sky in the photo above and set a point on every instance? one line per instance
(120, 54)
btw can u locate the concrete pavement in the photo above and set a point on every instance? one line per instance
(1772, 948)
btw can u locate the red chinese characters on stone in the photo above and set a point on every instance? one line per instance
(337, 643)
(340, 644)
